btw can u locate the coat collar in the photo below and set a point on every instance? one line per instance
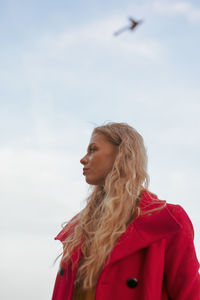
(142, 232)
(154, 223)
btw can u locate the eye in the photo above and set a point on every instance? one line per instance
(92, 149)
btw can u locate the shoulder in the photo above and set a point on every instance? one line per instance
(151, 203)
(160, 216)
(181, 217)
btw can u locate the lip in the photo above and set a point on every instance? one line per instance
(85, 169)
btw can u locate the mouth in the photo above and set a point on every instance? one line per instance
(85, 170)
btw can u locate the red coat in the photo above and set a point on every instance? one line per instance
(153, 260)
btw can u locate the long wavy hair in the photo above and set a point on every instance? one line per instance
(109, 208)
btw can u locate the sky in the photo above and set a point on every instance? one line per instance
(62, 72)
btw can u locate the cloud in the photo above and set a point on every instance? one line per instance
(95, 39)
(184, 8)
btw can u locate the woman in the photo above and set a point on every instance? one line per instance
(126, 244)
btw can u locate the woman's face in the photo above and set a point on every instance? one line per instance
(99, 159)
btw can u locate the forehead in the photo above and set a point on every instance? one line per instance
(98, 138)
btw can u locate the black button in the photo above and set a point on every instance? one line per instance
(61, 271)
(132, 283)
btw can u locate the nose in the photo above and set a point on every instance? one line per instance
(83, 160)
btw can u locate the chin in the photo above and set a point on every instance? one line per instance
(93, 181)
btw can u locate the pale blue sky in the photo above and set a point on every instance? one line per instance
(61, 72)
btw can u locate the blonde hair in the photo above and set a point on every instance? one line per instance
(110, 208)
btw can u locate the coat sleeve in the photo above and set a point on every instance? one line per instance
(181, 265)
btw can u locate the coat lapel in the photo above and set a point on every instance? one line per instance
(143, 231)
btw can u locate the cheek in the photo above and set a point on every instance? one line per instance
(106, 164)
(99, 165)
(90, 158)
